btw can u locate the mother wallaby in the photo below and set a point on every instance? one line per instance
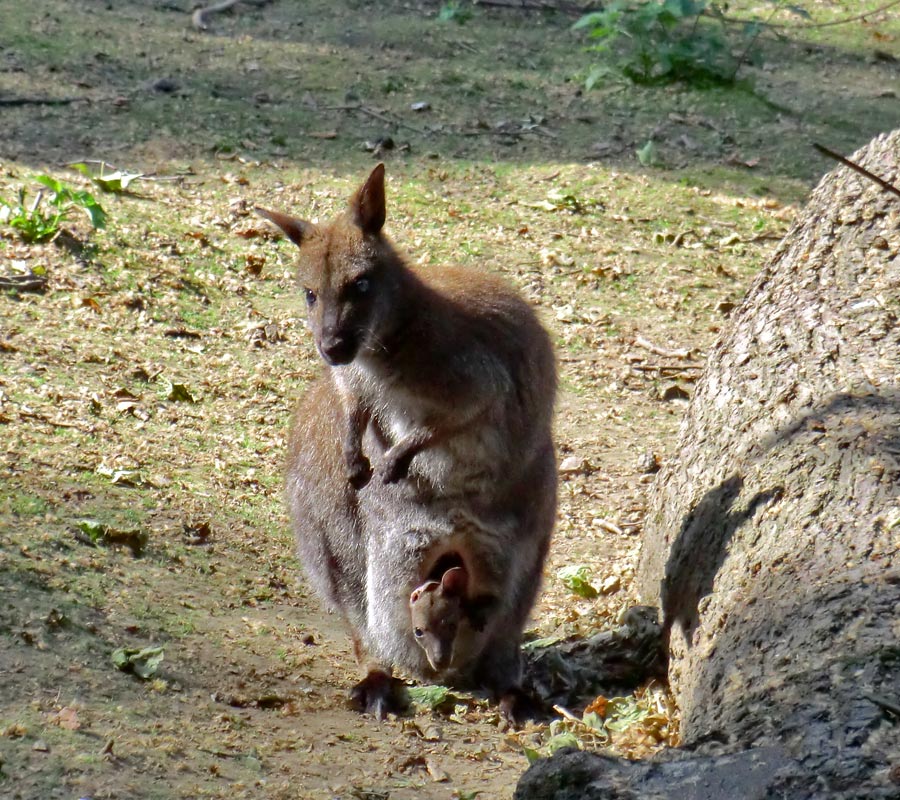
(445, 380)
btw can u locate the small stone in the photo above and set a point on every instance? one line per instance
(41, 746)
(573, 464)
(437, 774)
(648, 463)
(433, 733)
(673, 391)
(725, 307)
(611, 584)
(164, 85)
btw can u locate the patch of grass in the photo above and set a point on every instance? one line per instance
(26, 505)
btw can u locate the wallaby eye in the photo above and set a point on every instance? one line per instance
(360, 287)
(310, 297)
(419, 633)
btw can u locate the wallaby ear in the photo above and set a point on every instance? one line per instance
(455, 582)
(428, 586)
(367, 205)
(295, 229)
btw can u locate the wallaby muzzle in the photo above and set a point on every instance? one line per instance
(441, 657)
(338, 349)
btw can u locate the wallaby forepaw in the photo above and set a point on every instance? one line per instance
(359, 471)
(396, 468)
(379, 694)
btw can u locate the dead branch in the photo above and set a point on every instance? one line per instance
(371, 112)
(640, 341)
(39, 101)
(24, 283)
(199, 17)
(888, 187)
(806, 25)
(535, 5)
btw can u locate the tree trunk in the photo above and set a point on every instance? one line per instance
(772, 539)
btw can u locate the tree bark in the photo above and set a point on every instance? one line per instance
(772, 539)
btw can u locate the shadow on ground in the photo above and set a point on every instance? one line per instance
(137, 86)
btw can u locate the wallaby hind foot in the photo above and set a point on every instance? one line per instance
(517, 706)
(380, 694)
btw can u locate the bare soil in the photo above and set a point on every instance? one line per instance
(513, 167)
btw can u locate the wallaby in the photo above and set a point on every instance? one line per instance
(439, 608)
(451, 365)
(436, 610)
(445, 380)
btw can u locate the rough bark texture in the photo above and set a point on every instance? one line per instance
(772, 539)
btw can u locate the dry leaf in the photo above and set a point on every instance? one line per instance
(66, 718)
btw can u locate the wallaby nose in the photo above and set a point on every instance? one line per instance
(440, 657)
(337, 349)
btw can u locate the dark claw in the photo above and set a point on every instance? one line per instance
(379, 694)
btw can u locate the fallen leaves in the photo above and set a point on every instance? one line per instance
(141, 662)
(98, 533)
(179, 393)
(577, 578)
(66, 718)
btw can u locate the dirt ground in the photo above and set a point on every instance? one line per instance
(145, 393)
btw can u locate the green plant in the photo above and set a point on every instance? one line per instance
(455, 11)
(106, 178)
(660, 41)
(40, 220)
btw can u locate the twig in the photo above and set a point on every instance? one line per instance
(888, 187)
(37, 201)
(376, 114)
(39, 101)
(371, 112)
(24, 283)
(609, 527)
(533, 5)
(810, 25)
(221, 753)
(54, 422)
(489, 132)
(751, 42)
(537, 130)
(198, 18)
(581, 359)
(640, 341)
(567, 714)
(665, 367)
